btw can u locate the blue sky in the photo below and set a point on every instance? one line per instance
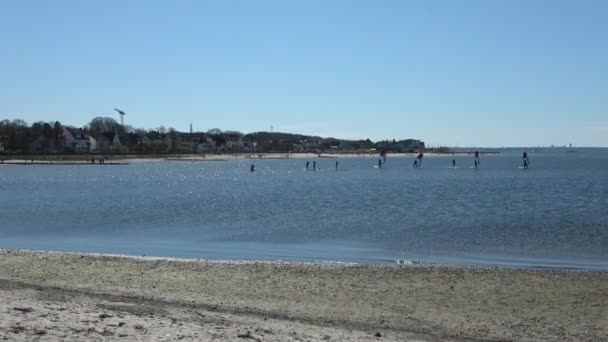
(459, 73)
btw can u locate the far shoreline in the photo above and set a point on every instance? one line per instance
(123, 159)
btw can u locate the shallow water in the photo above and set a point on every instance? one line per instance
(554, 214)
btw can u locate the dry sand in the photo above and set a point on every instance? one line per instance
(56, 296)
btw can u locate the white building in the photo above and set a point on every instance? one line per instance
(77, 140)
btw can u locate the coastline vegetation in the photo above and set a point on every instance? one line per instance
(105, 136)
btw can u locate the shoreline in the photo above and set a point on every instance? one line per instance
(106, 297)
(86, 158)
(51, 163)
(319, 262)
(127, 160)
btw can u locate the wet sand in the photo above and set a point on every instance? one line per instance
(57, 296)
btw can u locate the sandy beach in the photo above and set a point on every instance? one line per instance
(58, 296)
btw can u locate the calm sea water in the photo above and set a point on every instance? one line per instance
(553, 215)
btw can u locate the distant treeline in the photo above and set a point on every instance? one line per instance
(106, 135)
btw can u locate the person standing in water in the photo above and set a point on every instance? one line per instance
(526, 160)
(307, 164)
(252, 167)
(453, 163)
(477, 162)
(336, 165)
(418, 160)
(314, 166)
(379, 163)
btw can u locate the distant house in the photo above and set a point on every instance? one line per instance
(46, 145)
(187, 146)
(156, 143)
(412, 144)
(249, 146)
(234, 145)
(188, 142)
(298, 147)
(110, 143)
(308, 146)
(170, 140)
(206, 144)
(132, 143)
(42, 145)
(77, 140)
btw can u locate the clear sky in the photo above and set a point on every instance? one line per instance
(458, 73)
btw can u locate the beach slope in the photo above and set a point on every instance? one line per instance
(58, 296)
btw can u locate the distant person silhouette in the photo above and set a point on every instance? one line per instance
(307, 164)
(314, 166)
(453, 162)
(336, 165)
(379, 163)
(418, 160)
(252, 167)
(526, 160)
